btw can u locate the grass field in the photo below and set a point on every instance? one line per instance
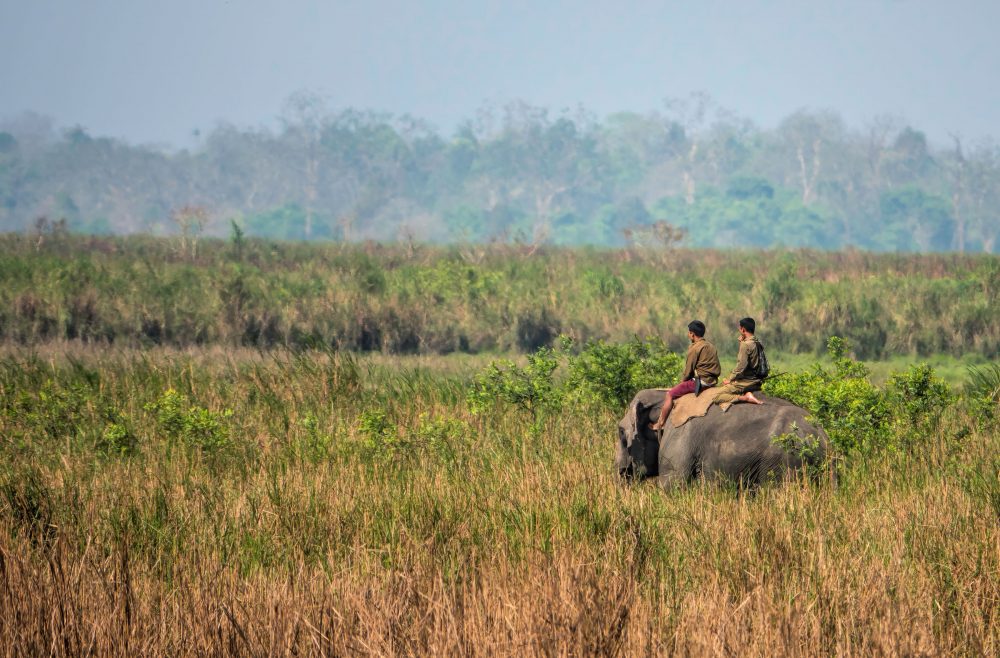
(220, 500)
(145, 292)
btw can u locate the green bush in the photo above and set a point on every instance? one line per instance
(379, 432)
(854, 412)
(443, 437)
(194, 426)
(315, 445)
(530, 389)
(859, 417)
(56, 409)
(610, 374)
(446, 438)
(793, 442)
(117, 439)
(919, 396)
(603, 374)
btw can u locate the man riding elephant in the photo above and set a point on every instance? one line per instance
(750, 371)
(701, 370)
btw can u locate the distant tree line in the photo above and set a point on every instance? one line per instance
(518, 173)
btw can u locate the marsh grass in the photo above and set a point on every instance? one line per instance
(315, 529)
(141, 291)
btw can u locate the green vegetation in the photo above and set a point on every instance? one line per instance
(501, 299)
(859, 416)
(517, 174)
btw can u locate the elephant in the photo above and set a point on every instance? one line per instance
(749, 443)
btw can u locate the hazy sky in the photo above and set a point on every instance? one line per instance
(153, 71)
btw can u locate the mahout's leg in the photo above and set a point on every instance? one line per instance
(668, 402)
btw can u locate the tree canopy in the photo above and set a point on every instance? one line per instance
(522, 173)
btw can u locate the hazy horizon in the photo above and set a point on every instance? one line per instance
(155, 74)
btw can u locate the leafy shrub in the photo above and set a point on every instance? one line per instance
(854, 412)
(859, 417)
(793, 442)
(602, 374)
(443, 437)
(531, 388)
(610, 374)
(194, 426)
(315, 445)
(117, 439)
(57, 410)
(379, 432)
(169, 410)
(919, 395)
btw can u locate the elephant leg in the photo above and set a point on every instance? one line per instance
(677, 464)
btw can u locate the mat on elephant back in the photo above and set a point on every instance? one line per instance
(692, 406)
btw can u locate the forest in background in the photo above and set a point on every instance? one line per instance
(693, 174)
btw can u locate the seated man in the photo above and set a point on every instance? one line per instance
(701, 370)
(750, 371)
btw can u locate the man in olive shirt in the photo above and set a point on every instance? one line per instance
(750, 370)
(701, 370)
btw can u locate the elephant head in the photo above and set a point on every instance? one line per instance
(636, 450)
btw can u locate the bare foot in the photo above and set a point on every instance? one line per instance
(750, 398)
(656, 427)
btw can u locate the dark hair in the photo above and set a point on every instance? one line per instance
(697, 327)
(748, 324)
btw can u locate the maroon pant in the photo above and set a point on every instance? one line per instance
(683, 388)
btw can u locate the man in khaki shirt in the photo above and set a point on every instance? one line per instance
(748, 375)
(701, 370)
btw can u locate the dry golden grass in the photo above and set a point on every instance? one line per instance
(496, 548)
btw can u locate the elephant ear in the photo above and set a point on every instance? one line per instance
(626, 426)
(632, 419)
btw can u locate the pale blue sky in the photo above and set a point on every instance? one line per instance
(153, 71)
